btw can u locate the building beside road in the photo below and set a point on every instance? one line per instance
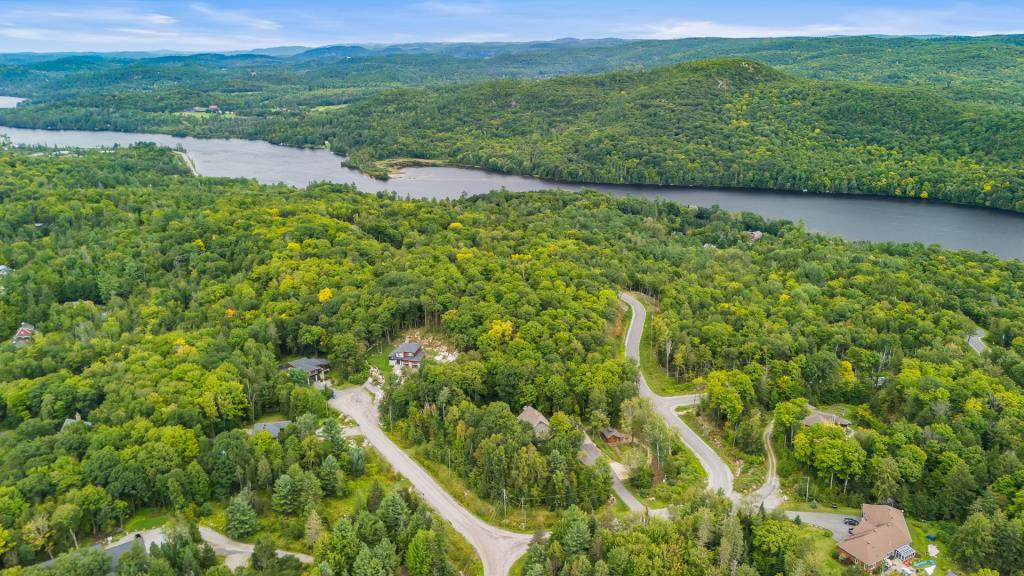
(818, 417)
(315, 368)
(881, 535)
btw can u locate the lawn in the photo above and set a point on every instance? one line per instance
(147, 518)
(919, 529)
(749, 470)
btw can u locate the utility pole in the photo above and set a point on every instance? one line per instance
(504, 502)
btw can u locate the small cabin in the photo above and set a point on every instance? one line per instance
(613, 436)
(23, 335)
(273, 428)
(408, 355)
(536, 420)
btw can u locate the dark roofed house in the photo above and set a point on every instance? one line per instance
(613, 436)
(76, 420)
(114, 552)
(818, 417)
(23, 335)
(407, 355)
(881, 535)
(535, 419)
(315, 368)
(274, 428)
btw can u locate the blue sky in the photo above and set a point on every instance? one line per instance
(110, 25)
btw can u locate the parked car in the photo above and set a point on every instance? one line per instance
(851, 521)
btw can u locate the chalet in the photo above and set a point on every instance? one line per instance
(315, 369)
(76, 420)
(273, 428)
(613, 436)
(23, 335)
(881, 535)
(408, 355)
(818, 417)
(536, 420)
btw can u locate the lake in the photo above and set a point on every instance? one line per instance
(851, 217)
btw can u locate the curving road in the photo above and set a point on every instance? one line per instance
(236, 554)
(719, 474)
(498, 549)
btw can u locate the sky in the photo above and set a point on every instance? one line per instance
(222, 25)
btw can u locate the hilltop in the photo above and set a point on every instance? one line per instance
(722, 122)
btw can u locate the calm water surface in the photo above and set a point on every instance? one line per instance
(852, 217)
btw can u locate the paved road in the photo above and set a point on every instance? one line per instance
(718, 472)
(498, 549)
(236, 554)
(828, 520)
(590, 454)
(975, 340)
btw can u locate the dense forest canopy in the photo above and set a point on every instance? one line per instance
(935, 119)
(164, 303)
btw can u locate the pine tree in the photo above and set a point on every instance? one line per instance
(241, 515)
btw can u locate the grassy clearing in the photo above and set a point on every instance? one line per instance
(147, 518)
(943, 533)
(749, 470)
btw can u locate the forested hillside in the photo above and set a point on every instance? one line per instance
(720, 123)
(164, 303)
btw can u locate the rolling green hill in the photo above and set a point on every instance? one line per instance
(730, 122)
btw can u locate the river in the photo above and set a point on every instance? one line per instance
(851, 217)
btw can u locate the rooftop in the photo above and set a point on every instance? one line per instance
(274, 428)
(817, 416)
(309, 364)
(882, 531)
(534, 418)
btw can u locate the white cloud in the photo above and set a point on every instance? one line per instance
(965, 19)
(234, 17)
(709, 29)
(18, 13)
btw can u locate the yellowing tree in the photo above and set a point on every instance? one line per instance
(325, 295)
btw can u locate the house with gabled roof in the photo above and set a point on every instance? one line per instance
(536, 420)
(881, 535)
(23, 335)
(409, 354)
(315, 368)
(273, 428)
